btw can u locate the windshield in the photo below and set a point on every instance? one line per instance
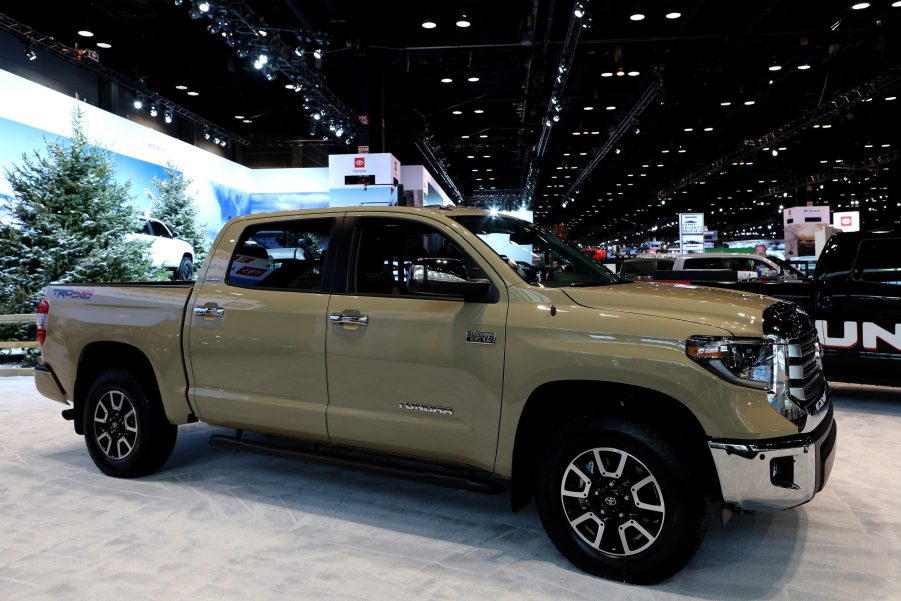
(538, 256)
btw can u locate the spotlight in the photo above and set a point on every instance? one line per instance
(138, 103)
(153, 110)
(167, 115)
(262, 59)
(636, 16)
(30, 54)
(429, 24)
(216, 140)
(317, 54)
(298, 51)
(203, 6)
(556, 118)
(206, 134)
(673, 14)
(463, 22)
(580, 10)
(317, 116)
(339, 132)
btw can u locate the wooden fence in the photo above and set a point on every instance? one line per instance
(18, 371)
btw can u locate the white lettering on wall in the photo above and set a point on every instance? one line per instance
(873, 333)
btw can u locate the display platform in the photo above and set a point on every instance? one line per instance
(218, 524)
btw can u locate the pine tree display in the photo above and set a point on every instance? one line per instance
(69, 219)
(174, 206)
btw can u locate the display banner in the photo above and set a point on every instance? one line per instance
(801, 225)
(691, 232)
(846, 221)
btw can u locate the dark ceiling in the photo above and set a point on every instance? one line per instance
(628, 152)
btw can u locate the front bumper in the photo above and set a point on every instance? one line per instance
(778, 473)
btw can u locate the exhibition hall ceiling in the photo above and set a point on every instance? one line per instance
(609, 123)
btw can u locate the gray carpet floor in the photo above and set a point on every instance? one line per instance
(220, 524)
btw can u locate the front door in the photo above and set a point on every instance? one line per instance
(408, 374)
(859, 317)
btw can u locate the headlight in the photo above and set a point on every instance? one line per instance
(747, 362)
(760, 363)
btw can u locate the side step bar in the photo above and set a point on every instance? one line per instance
(402, 467)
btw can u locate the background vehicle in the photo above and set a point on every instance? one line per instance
(167, 251)
(855, 299)
(459, 347)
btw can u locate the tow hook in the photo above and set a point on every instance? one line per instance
(69, 414)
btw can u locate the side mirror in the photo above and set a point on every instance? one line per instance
(445, 277)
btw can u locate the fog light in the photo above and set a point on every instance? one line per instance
(782, 472)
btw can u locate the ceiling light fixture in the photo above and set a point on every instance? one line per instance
(446, 80)
(774, 67)
(610, 108)
(633, 74)
(620, 72)
(860, 6)
(579, 11)
(86, 33)
(607, 74)
(587, 108)
(317, 54)
(472, 79)
(104, 45)
(154, 111)
(457, 112)
(636, 16)
(463, 22)
(429, 24)
(31, 55)
(181, 87)
(138, 103)
(748, 102)
(803, 67)
(203, 6)
(478, 111)
(673, 14)
(193, 93)
(167, 116)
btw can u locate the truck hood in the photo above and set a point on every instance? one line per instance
(740, 313)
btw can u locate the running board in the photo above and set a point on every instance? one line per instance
(402, 467)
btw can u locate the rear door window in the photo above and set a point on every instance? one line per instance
(286, 255)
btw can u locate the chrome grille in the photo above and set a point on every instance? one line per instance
(805, 374)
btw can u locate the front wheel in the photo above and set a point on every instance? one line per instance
(125, 428)
(618, 501)
(185, 269)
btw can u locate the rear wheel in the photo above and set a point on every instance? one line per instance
(125, 428)
(618, 501)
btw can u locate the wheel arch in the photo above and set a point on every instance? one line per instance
(555, 403)
(99, 357)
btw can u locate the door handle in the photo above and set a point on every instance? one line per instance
(348, 319)
(209, 311)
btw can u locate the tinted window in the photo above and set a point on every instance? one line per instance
(879, 261)
(158, 229)
(705, 263)
(286, 255)
(387, 248)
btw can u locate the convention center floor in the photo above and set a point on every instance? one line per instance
(222, 524)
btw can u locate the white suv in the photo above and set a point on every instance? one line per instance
(166, 251)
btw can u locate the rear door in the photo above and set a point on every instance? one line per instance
(408, 374)
(256, 333)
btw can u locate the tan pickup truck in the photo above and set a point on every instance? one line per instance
(465, 348)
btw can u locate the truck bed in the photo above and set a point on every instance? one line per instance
(98, 319)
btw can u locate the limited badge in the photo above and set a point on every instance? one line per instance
(481, 337)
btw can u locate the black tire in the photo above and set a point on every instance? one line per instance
(651, 527)
(185, 269)
(125, 428)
